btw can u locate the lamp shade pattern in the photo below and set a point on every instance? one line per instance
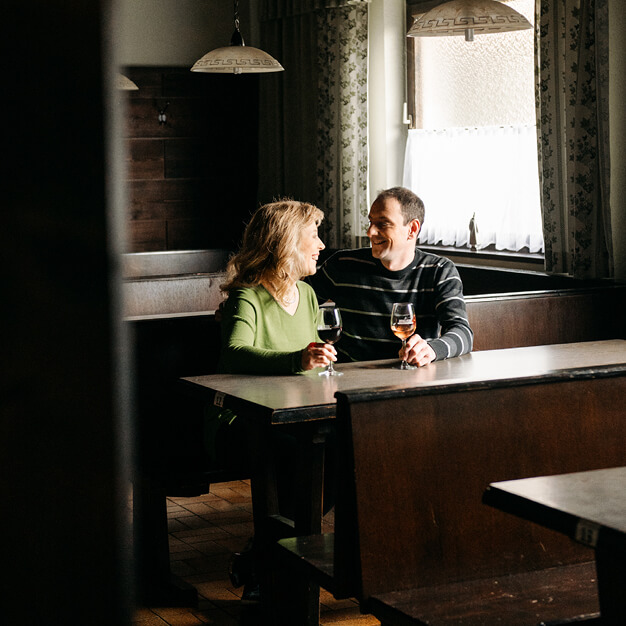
(237, 60)
(458, 16)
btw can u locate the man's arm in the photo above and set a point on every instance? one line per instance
(456, 335)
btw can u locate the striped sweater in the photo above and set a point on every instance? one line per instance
(364, 290)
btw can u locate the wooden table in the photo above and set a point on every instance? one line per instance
(590, 508)
(307, 402)
(285, 399)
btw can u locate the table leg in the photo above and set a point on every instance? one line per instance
(302, 596)
(611, 570)
(154, 581)
(310, 478)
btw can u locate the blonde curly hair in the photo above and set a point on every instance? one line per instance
(270, 251)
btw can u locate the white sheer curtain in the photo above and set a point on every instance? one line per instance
(490, 172)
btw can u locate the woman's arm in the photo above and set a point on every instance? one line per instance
(239, 354)
(251, 318)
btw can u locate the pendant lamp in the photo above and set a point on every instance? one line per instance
(237, 58)
(124, 83)
(468, 17)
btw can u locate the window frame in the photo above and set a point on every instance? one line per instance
(414, 10)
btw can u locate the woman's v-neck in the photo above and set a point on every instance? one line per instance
(280, 306)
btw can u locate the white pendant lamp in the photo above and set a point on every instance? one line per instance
(237, 58)
(468, 17)
(124, 83)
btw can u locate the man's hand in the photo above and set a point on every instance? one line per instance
(418, 352)
(318, 355)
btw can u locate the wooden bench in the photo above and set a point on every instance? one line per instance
(533, 318)
(168, 430)
(170, 459)
(413, 541)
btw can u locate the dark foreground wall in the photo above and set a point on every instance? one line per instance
(62, 450)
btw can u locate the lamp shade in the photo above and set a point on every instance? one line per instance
(468, 17)
(124, 83)
(238, 59)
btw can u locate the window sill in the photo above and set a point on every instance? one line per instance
(489, 256)
(486, 257)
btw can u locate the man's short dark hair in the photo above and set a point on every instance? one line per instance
(411, 205)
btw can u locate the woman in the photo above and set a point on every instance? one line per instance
(269, 327)
(269, 318)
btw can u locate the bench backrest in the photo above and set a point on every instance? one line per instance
(410, 514)
(547, 317)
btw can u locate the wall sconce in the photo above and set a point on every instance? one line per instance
(162, 114)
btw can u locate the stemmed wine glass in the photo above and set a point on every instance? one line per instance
(329, 331)
(403, 326)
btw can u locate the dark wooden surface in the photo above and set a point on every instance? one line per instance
(410, 517)
(569, 503)
(181, 174)
(174, 346)
(308, 397)
(170, 459)
(412, 472)
(430, 458)
(522, 600)
(588, 507)
(547, 317)
(414, 461)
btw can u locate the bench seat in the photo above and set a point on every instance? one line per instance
(563, 594)
(555, 595)
(312, 558)
(412, 468)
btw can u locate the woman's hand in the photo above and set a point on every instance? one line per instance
(318, 355)
(417, 352)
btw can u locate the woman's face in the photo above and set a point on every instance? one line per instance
(310, 246)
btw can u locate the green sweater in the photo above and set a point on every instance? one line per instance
(260, 337)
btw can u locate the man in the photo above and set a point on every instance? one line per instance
(365, 283)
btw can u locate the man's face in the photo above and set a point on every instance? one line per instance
(393, 242)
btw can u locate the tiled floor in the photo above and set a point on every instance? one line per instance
(204, 531)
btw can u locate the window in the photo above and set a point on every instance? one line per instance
(472, 144)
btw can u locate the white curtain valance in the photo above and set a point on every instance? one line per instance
(490, 173)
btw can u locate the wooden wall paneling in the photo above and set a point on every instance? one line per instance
(198, 168)
(190, 234)
(147, 200)
(145, 159)
(147, 235)
(183, 117)
(187, 157)
(183, 82)
(148, 79)
(546, 318)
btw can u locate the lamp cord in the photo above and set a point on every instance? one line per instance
(236, 12)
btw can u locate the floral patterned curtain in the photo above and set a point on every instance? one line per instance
(342, 158)
(313, 126)
(572, 114)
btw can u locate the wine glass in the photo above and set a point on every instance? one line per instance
(329, 331)
(403, 326)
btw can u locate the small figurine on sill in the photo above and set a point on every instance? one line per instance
(473, 233)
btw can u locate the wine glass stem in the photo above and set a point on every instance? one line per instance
(403, 350)
(330, 368)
